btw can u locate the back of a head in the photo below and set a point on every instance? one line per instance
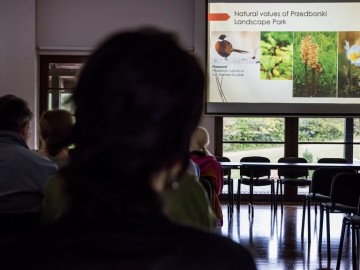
(199, 139)
(14, 113)
(55, 130)
(138, 99)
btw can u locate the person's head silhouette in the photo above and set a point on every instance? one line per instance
(138, 99)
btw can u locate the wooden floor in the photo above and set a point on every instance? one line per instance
(275, 240)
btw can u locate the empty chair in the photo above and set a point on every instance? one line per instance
(319, 191)
(295, 176)
(227, 179)
(344, 197)
(333, 160)
(354, 223)
(255, 176)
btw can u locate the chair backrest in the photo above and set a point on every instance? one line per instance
(207, 185)
(292, 172)
(256, 171)
(226, 171)
(345, 189)
(322, 179)
(333, 160)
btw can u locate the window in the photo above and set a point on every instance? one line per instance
(321, 137)
(57, 80)
(311, 138)
(253, 136)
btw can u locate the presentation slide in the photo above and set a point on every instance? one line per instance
(283, 53)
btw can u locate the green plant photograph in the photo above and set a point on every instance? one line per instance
(349, 64)
(276, 51)
(315, 64)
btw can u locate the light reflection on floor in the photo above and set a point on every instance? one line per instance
(275, 240)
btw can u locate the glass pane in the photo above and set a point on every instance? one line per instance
(253, 136)
(63, 75)
(253, 129)
(60, 99)
(62, 80)
(49, 106)
(356, 154)
(356, 129)
(313, 152)
(321, 129)
(65, 103)
(271, 151)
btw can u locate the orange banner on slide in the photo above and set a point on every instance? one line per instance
(218, 16)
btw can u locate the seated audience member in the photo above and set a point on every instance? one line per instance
(23, 173)
(55, 133)
(210, 168)
(187, 202)
(132, 139)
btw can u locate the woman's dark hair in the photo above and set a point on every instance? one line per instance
(55, 130)
(138, 99)
(14, 113)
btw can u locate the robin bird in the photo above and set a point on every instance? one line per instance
(224, 48)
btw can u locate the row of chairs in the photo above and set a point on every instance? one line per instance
(262, 177)
(337, 190)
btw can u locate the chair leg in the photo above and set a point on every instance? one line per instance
(321, 226)
(251, 198)
(303, 217)
(348, 228)
(272, 196)
(238, 195)
(231, 192)
(328, 233)
(357, 244)
(277, 194)
(309, 219)
(341, 244)
(282, 199)
(354, 249)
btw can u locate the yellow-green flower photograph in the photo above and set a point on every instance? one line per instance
(315, 64)
(276, 55)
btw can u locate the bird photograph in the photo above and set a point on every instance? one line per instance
(224, 47)
(235, 47)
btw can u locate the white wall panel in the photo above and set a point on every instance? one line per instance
(18, 53)
(72, 24)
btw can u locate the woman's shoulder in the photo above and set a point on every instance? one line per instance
(210, 161)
